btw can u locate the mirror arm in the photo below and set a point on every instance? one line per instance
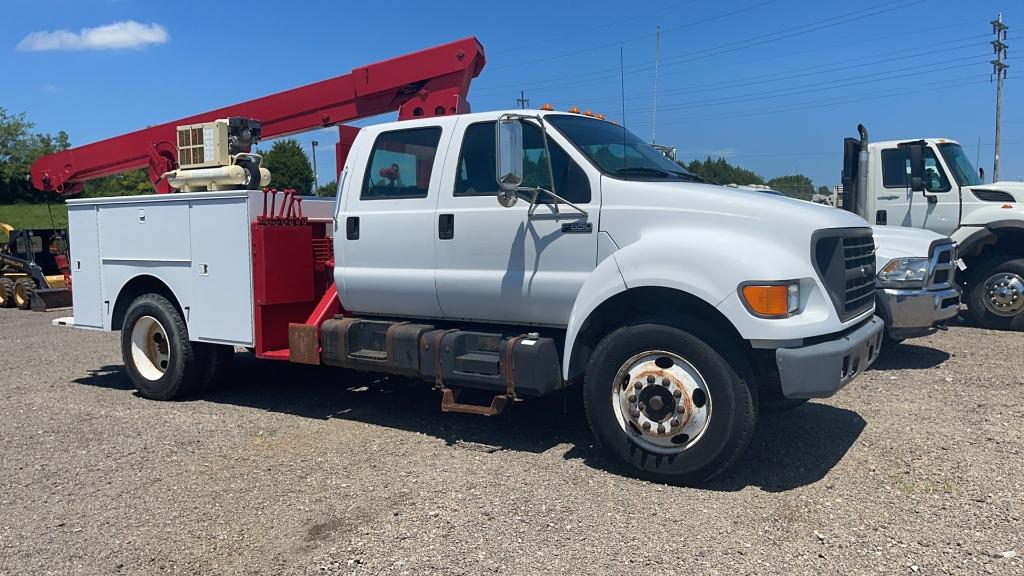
(536, 192)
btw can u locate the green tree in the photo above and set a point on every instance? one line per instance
(824, 191)
(328, 189)
(19, 147)
(130, 183)
(794, 185)
(722, 172)
(289, 166)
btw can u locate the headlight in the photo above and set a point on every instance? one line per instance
(904, 272)
(771, 299)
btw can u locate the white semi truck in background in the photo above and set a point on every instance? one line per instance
(931, 184)
(513, 253)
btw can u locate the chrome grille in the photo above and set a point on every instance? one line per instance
(845, 261)
(942, 264)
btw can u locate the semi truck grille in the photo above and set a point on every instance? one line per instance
(942, 255)
(845, 260)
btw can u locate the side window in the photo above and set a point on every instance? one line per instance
(896, 170)
(400, 164)
(477, 158)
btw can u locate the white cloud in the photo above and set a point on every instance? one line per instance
(117, 36)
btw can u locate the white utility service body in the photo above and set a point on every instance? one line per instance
(676, 304)
(198, 244)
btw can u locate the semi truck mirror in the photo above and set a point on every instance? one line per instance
(916, 167)
(508, 134)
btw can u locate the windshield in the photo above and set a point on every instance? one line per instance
(616, 151)
(960, 165)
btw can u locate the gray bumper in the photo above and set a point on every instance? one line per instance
(820, 370)
(915, 312)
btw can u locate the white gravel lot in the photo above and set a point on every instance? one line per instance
(915, 468)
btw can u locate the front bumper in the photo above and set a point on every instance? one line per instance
(915, 312)
(822, 369)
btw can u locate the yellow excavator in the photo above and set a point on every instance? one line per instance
(34, 272)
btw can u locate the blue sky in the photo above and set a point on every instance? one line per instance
(773, 85)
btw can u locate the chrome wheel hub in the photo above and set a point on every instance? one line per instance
(150, 348)
(661, 401)
(1004, 294)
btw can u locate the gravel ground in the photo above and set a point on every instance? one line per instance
(915, 468)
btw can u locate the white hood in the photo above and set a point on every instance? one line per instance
(898, 241)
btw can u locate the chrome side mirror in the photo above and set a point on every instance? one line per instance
(508, 135)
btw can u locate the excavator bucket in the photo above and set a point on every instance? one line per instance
(49, 299)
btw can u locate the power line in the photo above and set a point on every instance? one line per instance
(729, 47)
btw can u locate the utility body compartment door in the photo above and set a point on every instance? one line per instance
(497, 264)
(85, 266)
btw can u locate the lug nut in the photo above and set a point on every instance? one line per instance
(647, 425)
(674, 422)
(680, 409)
(677, 394)
(665, 382)
(635, 413)
(661, 428)
(639, 385)
(650, 379)
(631, 398)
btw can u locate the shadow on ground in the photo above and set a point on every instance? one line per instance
(788, 451)
(909, 357)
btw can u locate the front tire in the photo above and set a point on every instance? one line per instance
(6, 293)
(691, 416)
(23, 293)
(156, 350)
(996, 295)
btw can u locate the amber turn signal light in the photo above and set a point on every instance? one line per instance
(776, 300)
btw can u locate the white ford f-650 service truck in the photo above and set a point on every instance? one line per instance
(507, 252)
(931, 184)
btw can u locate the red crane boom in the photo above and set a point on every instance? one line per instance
(431, 82)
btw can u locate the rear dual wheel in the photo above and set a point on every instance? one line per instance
(158, 356)
(664, 403)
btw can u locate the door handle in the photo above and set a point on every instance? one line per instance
(352, 227)
(446, 226)
(889, 197)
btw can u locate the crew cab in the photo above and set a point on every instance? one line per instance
(514, 253)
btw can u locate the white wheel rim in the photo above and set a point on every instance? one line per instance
(1004, 294)
(150, 348)
(661, 401)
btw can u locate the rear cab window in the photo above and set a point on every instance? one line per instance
(400, 164)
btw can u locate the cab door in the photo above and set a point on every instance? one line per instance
(385, 227)
(938, 209)
(504, 265)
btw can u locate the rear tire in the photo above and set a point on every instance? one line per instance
(157, 353)
(6, 293)
(996, 296)
(23, 293)
(643, 428)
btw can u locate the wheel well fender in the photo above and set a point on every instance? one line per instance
(979, 244)
(135, 287)
(634, 303)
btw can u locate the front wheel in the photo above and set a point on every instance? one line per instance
(156, 350)
(666, 404)
(996, 297)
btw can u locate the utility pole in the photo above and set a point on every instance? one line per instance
(316, 177)
(522, 102)
(999, 69)
(657, 60)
